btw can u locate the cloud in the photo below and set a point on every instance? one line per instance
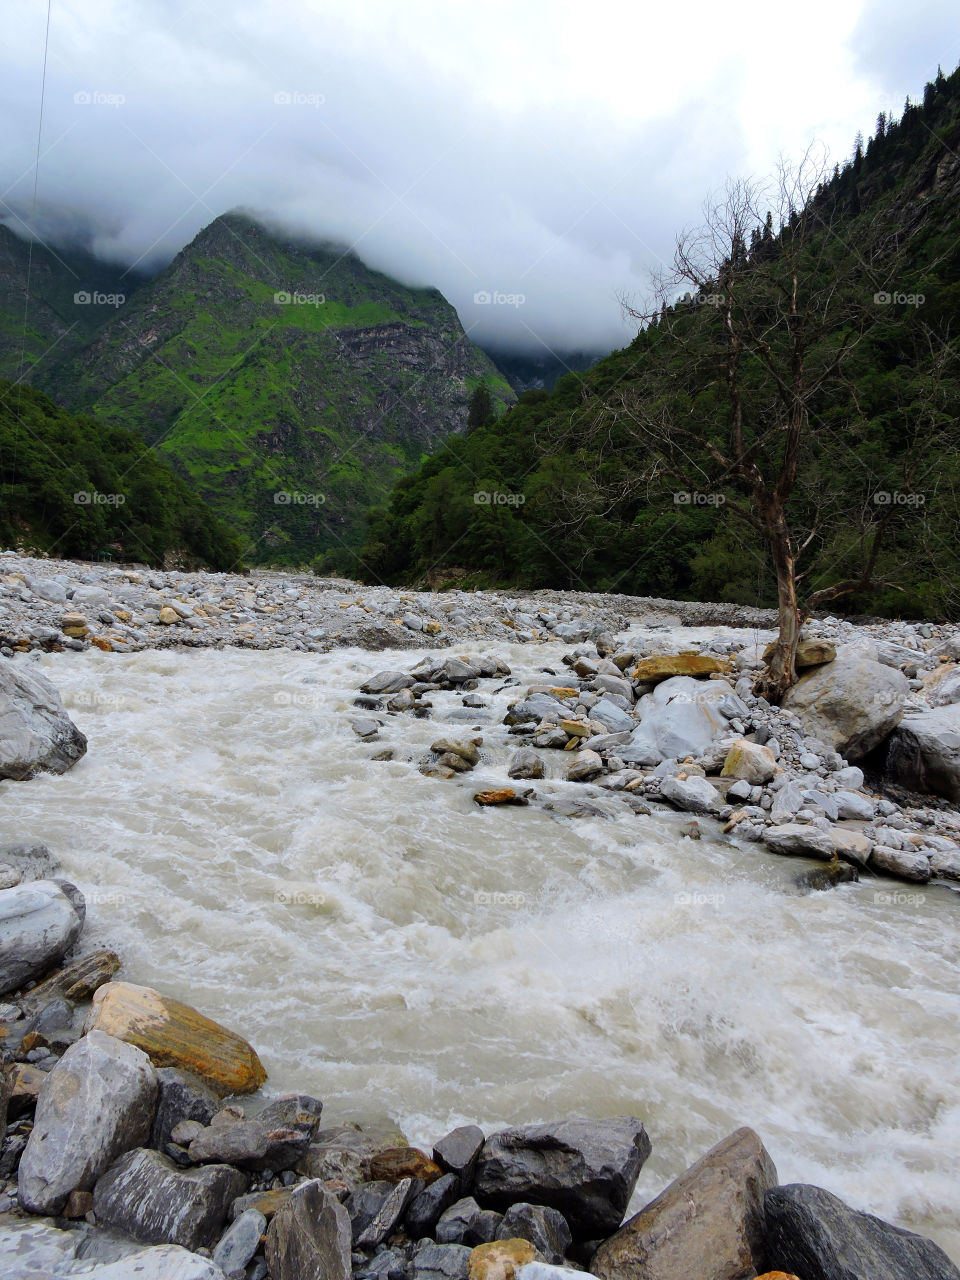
(542, 150)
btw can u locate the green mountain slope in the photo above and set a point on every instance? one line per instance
(577, 488)
(73, 487)
(290, 384)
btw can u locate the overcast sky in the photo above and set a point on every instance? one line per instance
(537, 148)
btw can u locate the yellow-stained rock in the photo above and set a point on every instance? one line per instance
(500, 1259)
(563, 691)
(778, 1275)
(395, 1163)
(168, 616)
(499, 795)
(576, 728)
(175, 1035)
(750, 762)
(661, 666)
(101, 642)
(810, 653)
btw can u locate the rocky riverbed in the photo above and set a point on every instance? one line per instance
(521, 807)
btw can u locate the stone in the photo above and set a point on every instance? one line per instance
(467, 751)
(176, 1035)
(612, 717)
(810, 653)
(168, 616)
(181, 1097)
(145, 1195)
(95, 1104)
(456, 1225)
(828, 876)
(39, 923)
(681, 718)
(75, 982)
(292, 1111)
(501, 795)
(708, 1223)
(692, 795)
(817, 1236)
(850, 777)
(387, 682)
(344, 1153)
(309, 1238)
(545, 1228)
(851, 846)
(440, 1262)
(661, 666)
(800, 839)
(265, 1202)
(586, 765)
(787, 803)
(35, 1250)
(165, 1262)
(36, 734)
(901, 863)
(395, 1163)
(851, 704)
(390, 1211)
(545, 1271)
(853, 804)
(750, 762)
(458, 1152)
(586, 1169)
(425, 1210)
(500, 1259)
(240, 1241)
(250, 1144)
(33, 861)
(924, 752)
(525, 763)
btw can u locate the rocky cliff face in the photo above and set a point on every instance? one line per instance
(290, 383)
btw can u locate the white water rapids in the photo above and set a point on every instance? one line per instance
(242, 852)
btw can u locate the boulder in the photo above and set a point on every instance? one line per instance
(500, 1259)
(425, 1211)
(180, 1097)
(439, 1261)
(35, 1250)
(39, 923)
(692, 795)
(586, 765)
(250, 1144)
(164, 1262)
(75, 982)
(145, 1195)
(924, 752)
(96, 1103)
(661, 666)
(750, 762)
(175, 1035)
(344, 1153)
(545, 1228)
(240, 1241)
(708, 1223)
(612, 717)
(292, 1111)
(36, 734)
(903, 863)
(851, 846)
(810, 653)
(389, 1212)
(458, 1153)
(309, 1238)
(395, 1163)
(31, 860)
(800, 839)
(525, 763)
(387, 682)
(851, 704)
(681, 718)
(817, 1236)
(586, 1169)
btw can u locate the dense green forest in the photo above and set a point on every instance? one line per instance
(829, 327)
(76, 488)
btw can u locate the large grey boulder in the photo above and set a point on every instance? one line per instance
(164, 1262)
(851, 704)
(800, 839)
(545, 1228)
(181, 1096)
(586, 1169)
(924, 752)
(96, 1103)
(707, 1224)
(693, 794)
(31, 1250)
(681, 717)
(240, 1241)
(250, 1144)
(309, 1238)
(817, 1236)
(31, 860)
(39, 923)
(147, 1196)
(458, 1151)
(35, 732)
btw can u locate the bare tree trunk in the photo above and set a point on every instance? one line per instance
(781, 670)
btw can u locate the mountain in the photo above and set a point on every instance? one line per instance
(840, 316)
(539, 372)
(288, 382)
(73, 487)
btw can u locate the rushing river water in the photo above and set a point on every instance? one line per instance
(394, 949)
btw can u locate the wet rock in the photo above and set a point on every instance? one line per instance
(147, 1196)
(924, 752)
(800, 839)
(292, 1111)
(75, 982)
(309, 1238)
(390, 1211)
(32, 861)
(424, 1211)
(458, 1152)
(901, 863)
(164, 1262)
(813, 1233)
(465, 751)
(501, 795)
(39, 923)
(525, 763)
(440, 1262)
(176, 1035)
(36, 734)
(96, 1103)
(395, 1163)
(240, 1241)
(586, 1169)
(266, 1203)
(750, 762)
(828, 876)
(851, 704)
(344, 1153)
(500, 1259)
(661, 666)
(365, 727)
(693, 794)
(387, 682)
(250, 1144)
(35, 1250)
(545, 1228)
(708, 1223)
(586, 765)
(180, 1097)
